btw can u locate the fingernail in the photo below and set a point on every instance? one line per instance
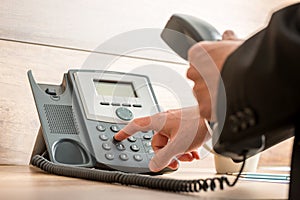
(115, 138)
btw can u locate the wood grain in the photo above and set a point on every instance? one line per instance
(88, 24)
(25, 182)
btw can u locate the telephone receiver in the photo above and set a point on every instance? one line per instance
(183, 31)
(80, 117)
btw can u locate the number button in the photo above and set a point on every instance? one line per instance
(103, 137)
(150, 151)
(138, 157)
(147, 144)
(101, 128)
(135, 147)
(131, 139)
(120, 147)
(106, 146)
(114, 128)
(123, 157)
(109, 156)
(147, 137)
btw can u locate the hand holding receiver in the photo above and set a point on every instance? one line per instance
(206, 61)
(178, 133)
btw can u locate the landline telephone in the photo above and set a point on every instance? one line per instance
(80, 117)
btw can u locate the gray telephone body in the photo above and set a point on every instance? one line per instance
(80, 117)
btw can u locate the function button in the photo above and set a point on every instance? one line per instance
(104, 103)
(131, 139)
(124, 114)
(123, 156)
(120, 147)
(109, 156)
(114, 128)
(147, 144)
(135, 147)
(55, 97)
(115, 104)
(103, 137)
(126, 104)
(101, 128)
(147, 137)
(51, 91)
(137, 105)
(106, 146)
(150, 151)
(138, 157)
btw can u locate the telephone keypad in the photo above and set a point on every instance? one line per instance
(136, 148)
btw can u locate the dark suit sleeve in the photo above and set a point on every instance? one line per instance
(261, 80)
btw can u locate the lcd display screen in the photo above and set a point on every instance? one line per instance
(114, 88)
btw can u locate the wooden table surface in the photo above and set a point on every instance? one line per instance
(50, 37)
(24, 182)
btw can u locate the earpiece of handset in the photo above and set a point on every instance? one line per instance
(183, 31)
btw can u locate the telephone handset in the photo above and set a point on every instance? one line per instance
(80, 117)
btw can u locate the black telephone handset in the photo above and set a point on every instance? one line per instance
(183, 31)
(80, 117)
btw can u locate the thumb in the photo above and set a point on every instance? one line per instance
(177, 146)
(229, 35)
(163, 157)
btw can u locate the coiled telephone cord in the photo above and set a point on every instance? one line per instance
(164, 184)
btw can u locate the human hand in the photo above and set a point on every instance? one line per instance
(206, 61)
(178, 133)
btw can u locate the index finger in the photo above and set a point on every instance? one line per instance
(139, 124)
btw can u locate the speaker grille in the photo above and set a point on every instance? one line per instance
(60, 119)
